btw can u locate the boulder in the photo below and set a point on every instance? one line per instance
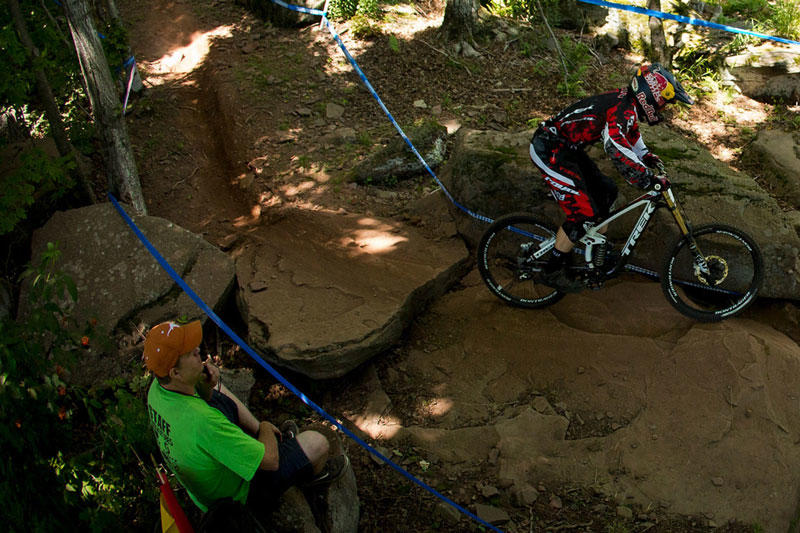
(491, 174)
(323, 292)
(777, 154)
(338, 507)
(768, 72)
(119, 283)
(239, 381)
(293, 514)
(396, 161)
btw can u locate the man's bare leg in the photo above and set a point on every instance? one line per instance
(316, 447)
(563, 244)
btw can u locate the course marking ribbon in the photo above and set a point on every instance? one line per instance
(687, 20)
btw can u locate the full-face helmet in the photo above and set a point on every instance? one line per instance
(653, 87)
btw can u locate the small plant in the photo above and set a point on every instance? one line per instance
(533, 123)
(525, 49)
(745, 8)
(394, 44)
(447, 101)
(363, 28)
(365, 139)
(38, 176)
(368, 8)
(342, 9)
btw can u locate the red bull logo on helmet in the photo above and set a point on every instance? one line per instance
(650, 111)
(660, 87)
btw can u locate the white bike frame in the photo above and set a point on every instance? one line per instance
(648, 203)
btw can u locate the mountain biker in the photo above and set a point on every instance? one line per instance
(583, 192)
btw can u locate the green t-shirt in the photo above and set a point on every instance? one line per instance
(212, 457)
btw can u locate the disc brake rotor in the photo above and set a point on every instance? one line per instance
(717, 271)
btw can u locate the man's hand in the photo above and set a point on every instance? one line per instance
(210, 380)
(653, 161)
(271, 427)
(267, 434)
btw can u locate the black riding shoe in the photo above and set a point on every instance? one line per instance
(559, 280)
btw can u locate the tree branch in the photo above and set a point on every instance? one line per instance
(555, 42)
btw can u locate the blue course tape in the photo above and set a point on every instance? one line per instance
(364, 79)
(238, 340)
(687, 20)
(301, 9)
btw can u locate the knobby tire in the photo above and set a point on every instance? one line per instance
(739, 271)
(510, 274)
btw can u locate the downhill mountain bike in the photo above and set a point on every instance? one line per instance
(710, 273)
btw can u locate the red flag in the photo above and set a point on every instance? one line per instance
(173, 519)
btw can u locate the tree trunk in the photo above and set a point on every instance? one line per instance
(459, 20)
(65, 148)
(658, 40)
(123, 177)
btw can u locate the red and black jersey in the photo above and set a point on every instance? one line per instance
(612, 118)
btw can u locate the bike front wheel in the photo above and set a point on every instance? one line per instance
(507, 264)
(728, 282)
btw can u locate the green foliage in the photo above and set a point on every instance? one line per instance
(56, 58)
(342, 9)
(368, 8)
(37, 176)
(745, 8)
(781, 17)
(69, 460)
(578, 58)
(363, 28)
(394, 44)
(785, 118)
(346, 9)
(525, 9)
(48, 29)
(516, 9)
(785, 18)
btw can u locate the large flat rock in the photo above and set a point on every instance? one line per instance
(322, 292)
(119, 283)
(697, 419)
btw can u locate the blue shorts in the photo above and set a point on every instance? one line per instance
(294, 468)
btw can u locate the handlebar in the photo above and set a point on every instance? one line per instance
(660, 182)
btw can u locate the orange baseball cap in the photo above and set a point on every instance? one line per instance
(166, 342)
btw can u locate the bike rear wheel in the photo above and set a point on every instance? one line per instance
(506, 263)
(728, 287)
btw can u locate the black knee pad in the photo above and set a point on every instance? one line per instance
(574, 230)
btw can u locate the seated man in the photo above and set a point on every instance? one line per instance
(211, 441)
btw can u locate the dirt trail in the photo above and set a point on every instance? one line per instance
(611, 390)
(187, 175)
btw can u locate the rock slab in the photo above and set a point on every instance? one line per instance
(335, 289)
(119, 283)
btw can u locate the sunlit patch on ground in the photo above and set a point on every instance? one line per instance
(184, 59)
